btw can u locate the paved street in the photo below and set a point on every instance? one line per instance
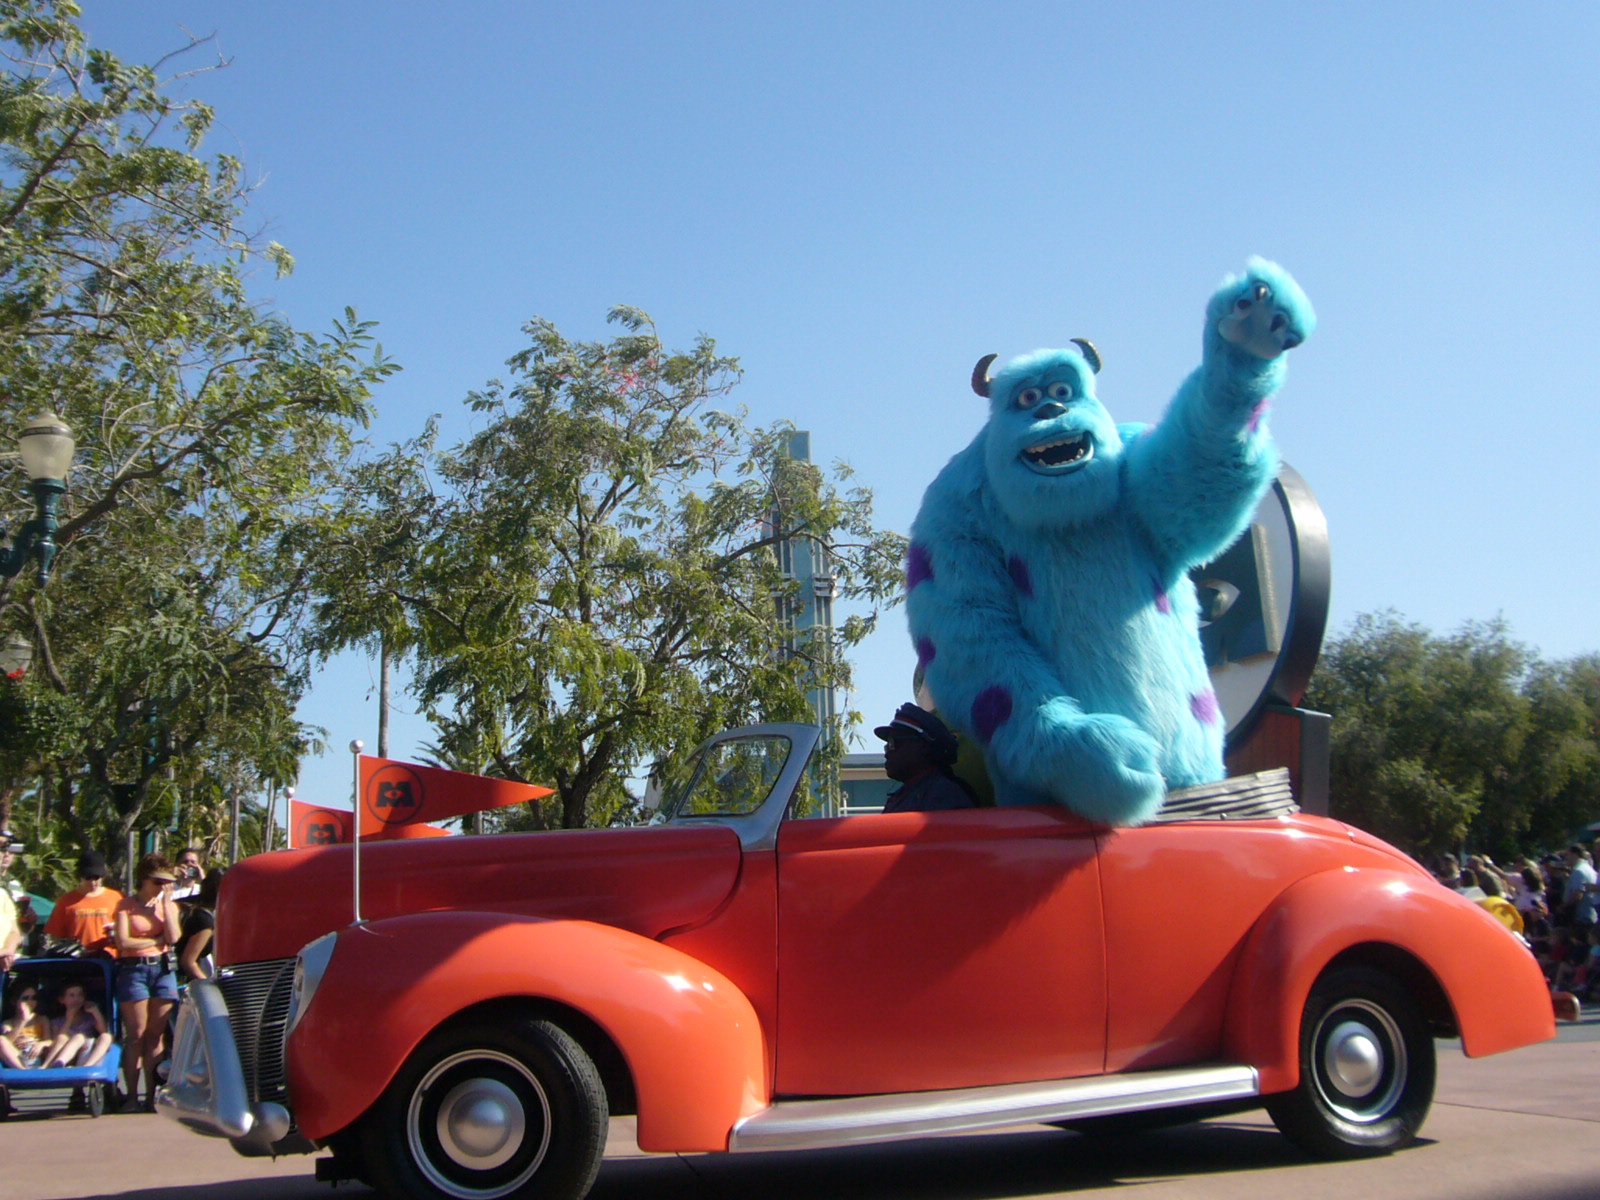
(1525, 1124)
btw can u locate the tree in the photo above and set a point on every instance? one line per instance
(594, 581)
(209, 432)
(1552, 789)
(1440, 741)
(1423, 726)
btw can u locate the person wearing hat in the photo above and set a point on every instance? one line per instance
(918, 753)
(147, 927)
(10, 930)
(85, 915)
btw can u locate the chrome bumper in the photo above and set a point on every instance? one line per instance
(205, 1087)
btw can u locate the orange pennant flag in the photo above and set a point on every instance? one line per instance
(399, 795)
(315, 825)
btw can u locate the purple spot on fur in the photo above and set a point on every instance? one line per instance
(1257, 415)
(1163, 601)
(1204, 707)
(1019, 575)
(990, 710)
(925, 651)
(919, 565)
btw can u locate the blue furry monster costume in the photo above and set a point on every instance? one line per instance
(1047, 577)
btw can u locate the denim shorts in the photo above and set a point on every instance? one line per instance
(146, 979)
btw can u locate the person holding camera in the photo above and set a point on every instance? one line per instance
(190, 874)
(147, 927)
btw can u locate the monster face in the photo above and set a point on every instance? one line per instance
(1051, 450)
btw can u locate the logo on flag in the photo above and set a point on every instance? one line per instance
(315, 826)
(393, 795)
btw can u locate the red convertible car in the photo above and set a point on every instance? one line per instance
(744, 977)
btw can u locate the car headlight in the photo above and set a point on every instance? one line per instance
(309, 968)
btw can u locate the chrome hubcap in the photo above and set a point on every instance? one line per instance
(1353, 1059)
(1361, 1064)
(478, 1125)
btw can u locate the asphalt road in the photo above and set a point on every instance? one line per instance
(1524, 1125)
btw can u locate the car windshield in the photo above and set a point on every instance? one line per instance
(726, 779)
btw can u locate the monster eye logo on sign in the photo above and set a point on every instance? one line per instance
(319, 827)
(1238, 602)
(393, 795)
(1264, 605)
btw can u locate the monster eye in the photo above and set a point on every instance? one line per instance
(1028, 397)
(1059, 391)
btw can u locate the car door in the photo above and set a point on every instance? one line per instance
(922, 951)
(1180, 899)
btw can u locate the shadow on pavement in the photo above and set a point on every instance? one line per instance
(241, 1189)
(985, 1167)
(980, 1167)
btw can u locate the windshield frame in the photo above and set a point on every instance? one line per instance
(758, 828)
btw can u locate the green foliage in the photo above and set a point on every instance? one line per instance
(1468, 738)
(209, 432)
(593, 581)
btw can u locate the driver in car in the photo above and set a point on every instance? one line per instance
(918, 753)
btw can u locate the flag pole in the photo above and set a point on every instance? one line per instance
(355, 848)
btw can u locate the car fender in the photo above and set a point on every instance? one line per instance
(1491, 981)
(691, 1039)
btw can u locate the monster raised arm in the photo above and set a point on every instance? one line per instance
(1194, 480)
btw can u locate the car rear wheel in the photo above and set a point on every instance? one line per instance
(1366, 1068)
(490, 1112)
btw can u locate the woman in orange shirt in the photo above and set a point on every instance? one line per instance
(147, 927)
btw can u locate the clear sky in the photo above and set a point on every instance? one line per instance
(859, 199)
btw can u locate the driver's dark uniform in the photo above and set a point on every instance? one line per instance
(935, 791)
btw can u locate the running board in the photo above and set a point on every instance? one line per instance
(855, 1120)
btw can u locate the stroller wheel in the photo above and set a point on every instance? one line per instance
(5, 1103)
(95, 1093)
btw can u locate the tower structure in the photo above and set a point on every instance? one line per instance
(809, 613)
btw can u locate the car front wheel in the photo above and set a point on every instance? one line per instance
(1366, 1068)
(490, 1112)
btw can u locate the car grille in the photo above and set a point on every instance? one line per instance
(258, 1009)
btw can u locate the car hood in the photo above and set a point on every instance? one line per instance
(648, 881)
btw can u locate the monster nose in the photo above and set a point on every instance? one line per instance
(1049, 409)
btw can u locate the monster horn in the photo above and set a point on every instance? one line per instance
(1089, 352)
(980, 375)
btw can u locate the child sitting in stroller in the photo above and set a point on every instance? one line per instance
(25, 1037)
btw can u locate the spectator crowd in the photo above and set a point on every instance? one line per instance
(152, 941)
(1554, 903)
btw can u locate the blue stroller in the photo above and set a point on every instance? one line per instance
(50, 976)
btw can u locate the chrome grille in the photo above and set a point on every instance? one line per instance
(258, 1009)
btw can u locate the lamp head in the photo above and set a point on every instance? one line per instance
(47, 445)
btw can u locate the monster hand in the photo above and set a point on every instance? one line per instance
(1264, 312)
(1101, 765)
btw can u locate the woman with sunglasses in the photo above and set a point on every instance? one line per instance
(147, 927)
(25, 1034)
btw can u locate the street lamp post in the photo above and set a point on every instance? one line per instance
(46, 445)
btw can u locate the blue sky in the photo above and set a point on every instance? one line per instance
(858, 200)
